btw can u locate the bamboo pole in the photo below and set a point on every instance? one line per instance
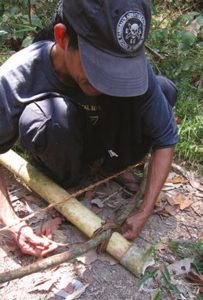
(128, 254)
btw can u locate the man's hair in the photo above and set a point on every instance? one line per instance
(47, 33)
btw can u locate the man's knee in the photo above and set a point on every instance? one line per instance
(169, 89)
(51, 132)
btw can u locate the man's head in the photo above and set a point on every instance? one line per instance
(111, 37)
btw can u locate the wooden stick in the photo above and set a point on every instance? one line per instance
(154, 52)
(181, 170)
(52, 261)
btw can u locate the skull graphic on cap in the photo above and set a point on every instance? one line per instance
(131, 30)
(134, 31)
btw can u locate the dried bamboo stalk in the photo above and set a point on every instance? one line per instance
(85, 220)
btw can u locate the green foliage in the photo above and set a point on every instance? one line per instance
(147, 276)
(157, 296)
(167, 281)
(21, 19)
(191, 250)
(177, 35)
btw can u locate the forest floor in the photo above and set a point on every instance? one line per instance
(177, 217)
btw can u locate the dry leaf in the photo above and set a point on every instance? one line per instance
(196, 185)
(89, 195)
(177, 179)
(169, 210)
(88, 257)
(178, 120)
(97, 202)
(198, 207)
(59, 237)
(201, 236)
(170, 186)
(72, 291)
(31, 198)
(161, 247)
(11, 245)
(49, 227)
(194, 277)
(44, 286)
(182, 201)
(199, 195)
(162, 197)
(181, 267)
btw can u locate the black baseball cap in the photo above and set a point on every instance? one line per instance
(111, 35)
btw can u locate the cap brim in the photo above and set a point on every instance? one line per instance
(113, 75)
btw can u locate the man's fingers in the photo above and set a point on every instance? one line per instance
(38, 241)
(51, 248)
(128, 231)
(31, 249)
(127, 235)
(31, 244)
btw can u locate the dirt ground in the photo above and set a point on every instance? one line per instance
(177, 216)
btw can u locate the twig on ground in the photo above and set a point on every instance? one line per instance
(181, 170)
(52, 261)
(154, 52)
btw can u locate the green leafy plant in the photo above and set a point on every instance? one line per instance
(20, 19)
(192, 250)
(177, 37)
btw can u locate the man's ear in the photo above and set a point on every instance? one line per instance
(60, 34)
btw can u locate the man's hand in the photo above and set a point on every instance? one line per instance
(27, 240)
(30, 243)
(158, 170)
(133, 225)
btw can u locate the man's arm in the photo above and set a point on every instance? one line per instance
(27, 241)
(159, 167)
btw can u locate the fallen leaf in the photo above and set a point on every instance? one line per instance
(162, 197)
(178, 120)
(11, 245)
(182, 201)
(196, 185)
(177, 268)
(2, 285)
(177, 179)
(31, 198)
(49, 227)
(194, 277)
(161, 247)
(89, 195)
(60, 237)
(170, 186)
(97, 202)
(31, 208)
(73, 290)
(199, 195)
(69, 289)
(88, 257)
(21, 208)
(168, 210)
(198, 207)
(180, 267)
(44, 286)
